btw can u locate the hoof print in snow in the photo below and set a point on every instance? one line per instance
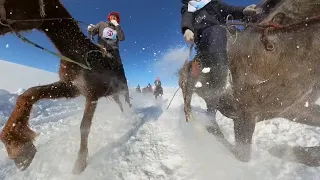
(309, 156)
(284, 152)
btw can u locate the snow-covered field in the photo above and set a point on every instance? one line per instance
(147, 141)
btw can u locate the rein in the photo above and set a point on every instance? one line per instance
(8, 22)
(266, 28)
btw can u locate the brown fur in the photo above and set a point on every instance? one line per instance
(269, 84)
(106, 78)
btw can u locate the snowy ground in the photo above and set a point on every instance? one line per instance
(149, 142)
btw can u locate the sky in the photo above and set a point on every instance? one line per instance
(154, 45)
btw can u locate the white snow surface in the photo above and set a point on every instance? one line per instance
(14, 76)
(147, 141)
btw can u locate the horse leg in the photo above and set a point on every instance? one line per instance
(124, 80)
(187, 95)
(243, 132)
(17, 135)
(117, 100)
(127, 97)
(309, 156)
(226, 107)
(81, 162)
(214, 128)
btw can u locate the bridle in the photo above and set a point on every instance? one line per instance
(276, 27)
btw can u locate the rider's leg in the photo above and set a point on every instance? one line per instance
(212, 44)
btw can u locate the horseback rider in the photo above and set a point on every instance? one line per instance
(201, 23)
(149, 87)
(157, 82)
(158, 88)
(138, 88)
(109, 33)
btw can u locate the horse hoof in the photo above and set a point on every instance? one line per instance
(24, 160)
(215, 131)
(79, 166)
(243, 152)
(243, 157)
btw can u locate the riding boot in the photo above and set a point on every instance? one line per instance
(212, 45)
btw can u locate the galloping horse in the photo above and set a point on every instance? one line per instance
(274, 72)
(106, 76)
(158, 90)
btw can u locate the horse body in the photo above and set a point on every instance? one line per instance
(146, 90)
(158, 90)
(268, 83)
(104, 79)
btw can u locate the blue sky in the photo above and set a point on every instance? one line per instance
(152, 30)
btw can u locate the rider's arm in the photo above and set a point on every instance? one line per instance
(120, 33)
(186, 17)
(94, 30)
(235, 11)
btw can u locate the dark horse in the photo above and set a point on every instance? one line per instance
(158, 90)
(274, 72)
(106, 77)
(146, 90)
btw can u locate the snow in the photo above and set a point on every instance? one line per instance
(147, 141)
(22, 76)
(206, 70)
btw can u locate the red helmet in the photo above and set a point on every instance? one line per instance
(115, 14)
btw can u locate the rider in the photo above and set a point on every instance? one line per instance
(149, 86)
(201, 23)
(109, 33)
(158, 88)
(157, 82)
(138, 88)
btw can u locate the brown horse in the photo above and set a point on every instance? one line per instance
(146, 90)
(274, 72)
(106, 77)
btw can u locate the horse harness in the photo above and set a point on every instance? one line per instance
(8, 22)
(271, 26)
(195, 64)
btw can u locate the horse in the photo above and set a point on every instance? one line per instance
(158, 90)
(105, 78)
(273, 72)
(146, 90)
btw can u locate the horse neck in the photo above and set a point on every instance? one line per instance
(66, 35)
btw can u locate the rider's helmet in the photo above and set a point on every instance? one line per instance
(114, 14)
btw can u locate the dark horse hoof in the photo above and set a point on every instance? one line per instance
(79, 166)
(243, 152)
(24, 160)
